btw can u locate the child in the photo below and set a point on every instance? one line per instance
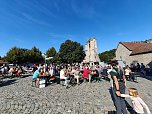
(138, 103)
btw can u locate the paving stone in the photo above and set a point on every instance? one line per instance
(87, 98)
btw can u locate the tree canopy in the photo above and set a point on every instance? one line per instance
(35, 55)
(20, 55)
(71, 52)
(15, 55)
(107, 55)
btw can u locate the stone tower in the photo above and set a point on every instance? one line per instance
(91, 51)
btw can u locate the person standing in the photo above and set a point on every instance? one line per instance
(143, 70)
(127, 73)
(35, 77)
(132, 75)
(109, 69)
(119, 85)
(138, 68)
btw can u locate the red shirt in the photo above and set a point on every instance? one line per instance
(86, 73)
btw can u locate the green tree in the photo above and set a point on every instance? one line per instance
(20, 55)
(35, 55)
(71, 52)
(15, 55)
(107, 55)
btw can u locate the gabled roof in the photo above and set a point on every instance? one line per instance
(138, 47)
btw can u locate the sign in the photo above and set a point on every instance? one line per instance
(48, 58)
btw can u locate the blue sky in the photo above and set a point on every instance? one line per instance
(48, 23)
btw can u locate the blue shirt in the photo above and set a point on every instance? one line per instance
(36, 74)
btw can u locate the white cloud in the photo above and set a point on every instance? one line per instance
(62, 36)
(85, 10)
(35, 20)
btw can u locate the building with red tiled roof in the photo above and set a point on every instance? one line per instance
(132, 52)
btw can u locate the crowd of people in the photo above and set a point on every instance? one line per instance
(15, 70)
(67, 73)
(116, 75)
(113, 72)
(76, 72)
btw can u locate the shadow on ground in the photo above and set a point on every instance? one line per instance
(7, 82)
(148, 78)
(111, 112)
(25, 76)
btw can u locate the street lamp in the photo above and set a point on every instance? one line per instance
(46, 58)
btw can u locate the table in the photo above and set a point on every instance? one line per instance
(44, 77)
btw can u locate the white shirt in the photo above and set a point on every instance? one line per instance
(51, 71)
(127, 71)
(73, 72)
(138, 104)
(62, 74)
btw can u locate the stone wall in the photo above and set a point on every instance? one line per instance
(143, 58)
(91, 51)
(122, 53)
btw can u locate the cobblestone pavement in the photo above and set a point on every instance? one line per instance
(17, 96)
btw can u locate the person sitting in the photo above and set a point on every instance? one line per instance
(63, 76)
(91, 77)
(86, 73)
(72, 75)
(77, 75)
(105, 73)
(19, 71)
(52, 74)
(14, 71)
(96, 75)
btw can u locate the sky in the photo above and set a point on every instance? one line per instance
(48, 23)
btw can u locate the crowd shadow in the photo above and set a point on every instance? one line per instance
(111, 112)
(147, 77)
(25, 76)
(7, 82)
(129, 108)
